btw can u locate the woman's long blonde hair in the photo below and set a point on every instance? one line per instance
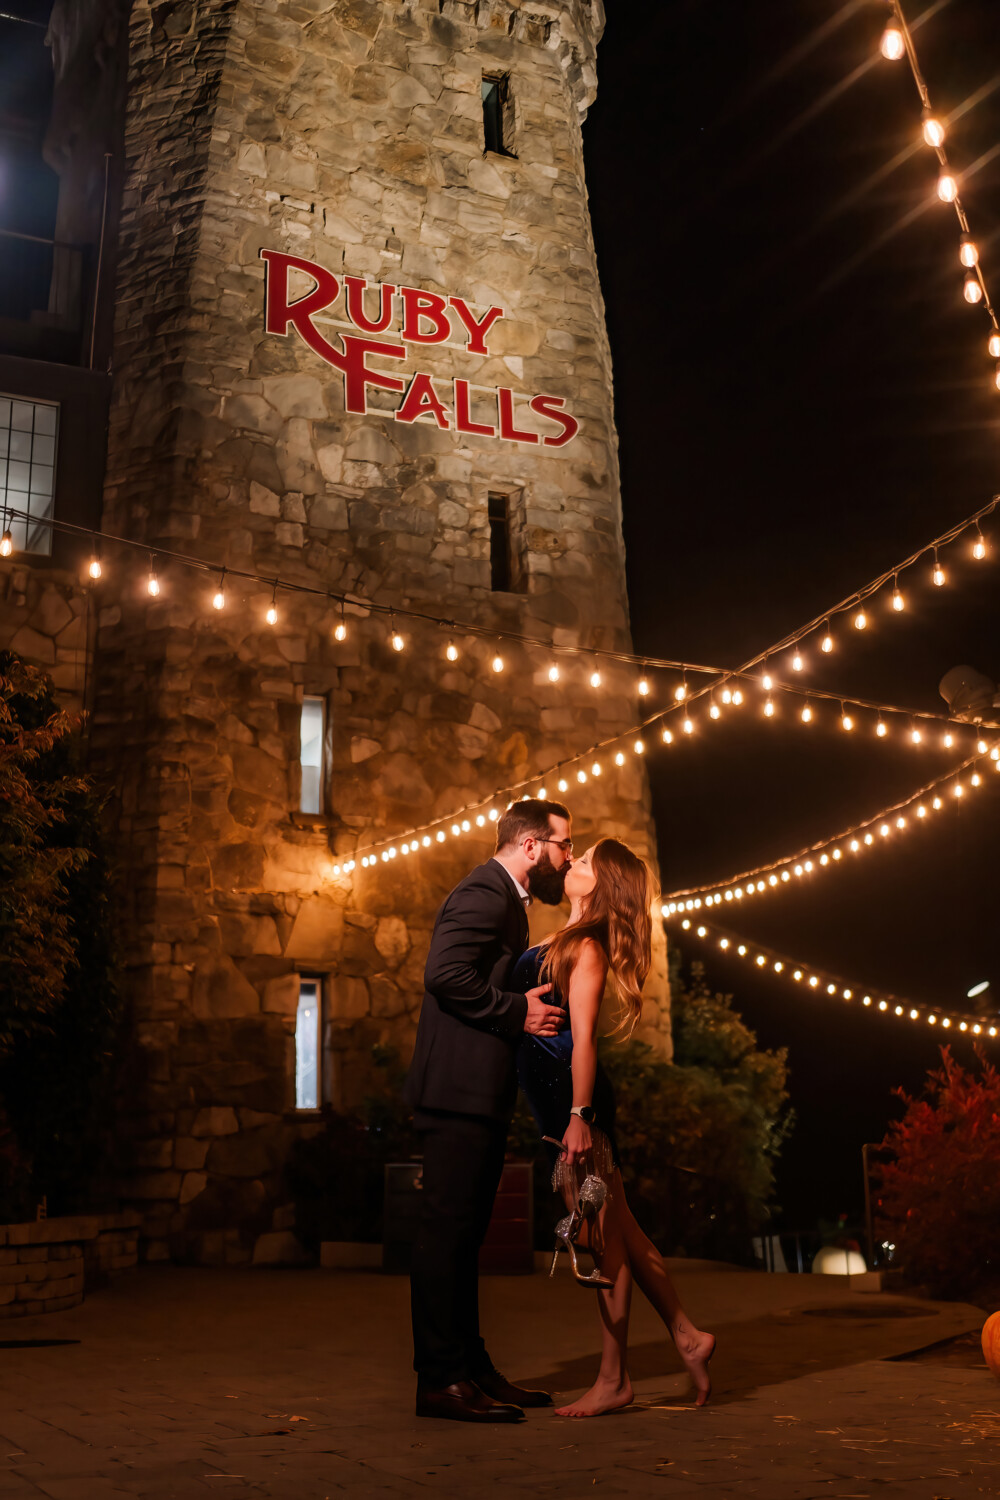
(617, 916)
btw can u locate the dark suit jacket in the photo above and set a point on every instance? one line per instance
(470, 1024)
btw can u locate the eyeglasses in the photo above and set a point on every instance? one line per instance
(566, 845)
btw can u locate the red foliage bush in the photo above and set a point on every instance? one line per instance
(939, 1196)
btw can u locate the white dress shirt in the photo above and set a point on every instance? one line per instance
(524, 895)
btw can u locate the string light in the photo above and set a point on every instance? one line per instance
(817, 979)
(829, 851)
(806, 714)
(451, 651)
(947, 187)
(553, 673)
(933, 130)
(993, 344)
(769, 709)
(6, 540)
(968, 254)
(152, 582)
(497, 662)
(798, 662)
(595, 679)
(979, 546)
(880, 728)
(94, 566)
(846, 721)
(219, 597)
(898, 602)
(892, 45)
(826, 644)
(938, 574)
(643, 687)
(971, 290)
(272, 609)
(860, 619)
(395, 639)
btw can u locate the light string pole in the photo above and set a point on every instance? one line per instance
(897, 43)
(816, 981)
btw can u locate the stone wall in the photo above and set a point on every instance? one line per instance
(45, 617)
(349, 134)
(48, 1266)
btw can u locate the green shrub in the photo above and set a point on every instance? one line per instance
(58, 999)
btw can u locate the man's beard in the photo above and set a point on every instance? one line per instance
(545, 882)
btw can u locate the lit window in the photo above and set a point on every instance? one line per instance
(308, 1020)
(498, 123)
(312, 737)
(27, 469)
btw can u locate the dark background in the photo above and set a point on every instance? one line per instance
(803, 398)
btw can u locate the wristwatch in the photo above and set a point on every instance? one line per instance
(585, 1111)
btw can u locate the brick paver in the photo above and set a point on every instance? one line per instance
(296, 1386)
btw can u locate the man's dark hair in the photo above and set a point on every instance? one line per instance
(527, 819)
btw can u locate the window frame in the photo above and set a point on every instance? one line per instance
(310, 976)
(498, 122)
(324, 761)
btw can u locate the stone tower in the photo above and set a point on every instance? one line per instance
(416, 410)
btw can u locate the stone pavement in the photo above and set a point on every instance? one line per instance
(176, 1383)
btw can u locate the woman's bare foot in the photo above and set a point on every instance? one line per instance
(696, 1350)
(603, 1396)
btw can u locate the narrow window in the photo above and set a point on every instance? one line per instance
(500, 552)
(28, 431)
(498, 124)
(308, 1020)
(312, 741)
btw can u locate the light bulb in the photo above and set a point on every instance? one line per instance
(451, 651)
(667, 737)
(715, 712)
(797, 662)
(947, 188)
(938, 575)
(994, 345)
(619, 759)
(933, 130)
(996, 377)
(860, 620)
(219, 598)
(979, 546)
(968, 251)
(767, 682)
(272, 613)
(553, 673)
(948, 740)
(497, 663)
(806, 715)
(898, 602)
(396, 641)
(639, 747)
(643, 688)
(881, 730)
(595, 679)
(340, 631)
(826, 644)
(595, 769)
(972, 291)
(727, 695)
(152, 583)
(915, 735)
(6, 543)
(846, 722)
(688, 726)
(892, 45)
(563, 785)
(769, 709)
(95, 567)
(982, 747)
(737, 697)
(680, 692)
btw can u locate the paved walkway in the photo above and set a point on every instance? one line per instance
(178, 1383)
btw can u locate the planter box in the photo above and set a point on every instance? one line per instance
(47, 1266)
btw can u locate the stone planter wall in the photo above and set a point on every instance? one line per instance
(45, 617)
(48, 1266)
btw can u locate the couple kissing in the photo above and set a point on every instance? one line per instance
(497, 1013)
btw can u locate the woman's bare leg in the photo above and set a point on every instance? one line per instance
(612, 1389)
(694, 1347)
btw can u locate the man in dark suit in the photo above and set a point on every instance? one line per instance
(463, 1087)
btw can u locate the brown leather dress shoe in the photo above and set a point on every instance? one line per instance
(500, 1388)
(464, 1402)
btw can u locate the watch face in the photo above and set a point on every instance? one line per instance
(587, 1115)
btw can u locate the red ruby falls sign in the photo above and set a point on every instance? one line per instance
(387, 320)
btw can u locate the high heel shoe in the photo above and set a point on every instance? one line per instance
(593, 1192)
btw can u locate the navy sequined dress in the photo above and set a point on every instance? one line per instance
(544, 1071)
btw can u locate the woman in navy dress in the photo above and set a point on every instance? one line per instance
(608, 933)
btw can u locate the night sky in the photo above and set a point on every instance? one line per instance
(803, 398)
